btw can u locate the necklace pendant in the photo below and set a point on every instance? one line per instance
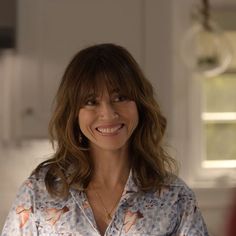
(109, 217)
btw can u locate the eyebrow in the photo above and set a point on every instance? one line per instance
(115, 90)
(92, 95)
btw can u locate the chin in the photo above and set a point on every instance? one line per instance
(112, 147)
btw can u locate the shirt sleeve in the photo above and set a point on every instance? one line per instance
(21, 220)
(191, 222)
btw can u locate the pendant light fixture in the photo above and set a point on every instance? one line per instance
(205, 49)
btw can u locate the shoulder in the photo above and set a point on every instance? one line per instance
(34, 193)
(176, 189)
(37, 179)
(33, 187)
(180, 186)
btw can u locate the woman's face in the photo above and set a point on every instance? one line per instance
(108, 120)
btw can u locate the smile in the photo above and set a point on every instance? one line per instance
(109, 130)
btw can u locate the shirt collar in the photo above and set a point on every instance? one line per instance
(130, 186)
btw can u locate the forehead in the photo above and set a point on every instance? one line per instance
(99, 85)
(103, 92)
(93, 85)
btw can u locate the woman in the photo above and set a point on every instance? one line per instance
(110, 174)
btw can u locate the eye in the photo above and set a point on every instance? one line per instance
(120, 98)
(91, 102)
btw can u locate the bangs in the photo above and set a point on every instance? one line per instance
(98, 77)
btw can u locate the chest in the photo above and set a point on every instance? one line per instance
(135, 215)
(103, 207)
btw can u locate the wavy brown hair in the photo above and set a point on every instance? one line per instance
(113, 66)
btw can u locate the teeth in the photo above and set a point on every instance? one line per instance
(109, 130)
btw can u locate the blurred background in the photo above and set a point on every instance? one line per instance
(186, 48)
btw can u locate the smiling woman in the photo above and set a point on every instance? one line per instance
(110, 174)
(109, 121)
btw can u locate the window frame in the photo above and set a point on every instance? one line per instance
(186, 135)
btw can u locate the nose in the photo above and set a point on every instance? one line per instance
(107, 111)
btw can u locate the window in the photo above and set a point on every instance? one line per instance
(203, 118)
(219, 116)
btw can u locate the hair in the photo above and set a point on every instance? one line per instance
(71, 166)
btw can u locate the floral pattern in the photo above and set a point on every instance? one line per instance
(173, 211)
(54, 214)
(23, 215)
(130, 219)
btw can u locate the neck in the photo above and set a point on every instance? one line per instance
(111, 168)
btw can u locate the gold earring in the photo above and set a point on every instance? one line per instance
(80, 138)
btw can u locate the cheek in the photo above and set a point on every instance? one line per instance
(132, 113)
(134, 110)
(83, 118)
(136, 120)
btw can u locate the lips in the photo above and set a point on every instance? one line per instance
(111, 129)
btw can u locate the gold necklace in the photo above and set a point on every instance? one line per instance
(108, 213)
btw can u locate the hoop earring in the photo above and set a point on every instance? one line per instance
(80, 138)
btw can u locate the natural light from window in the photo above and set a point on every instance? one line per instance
(219, 116)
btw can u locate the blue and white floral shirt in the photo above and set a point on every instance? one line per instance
(170, 212)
